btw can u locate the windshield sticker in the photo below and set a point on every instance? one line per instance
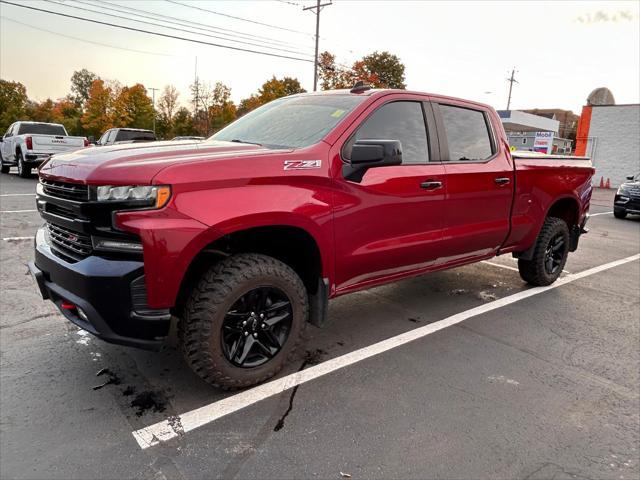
(338, 113)
(301, 164)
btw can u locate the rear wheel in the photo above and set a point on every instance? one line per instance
(243, 320)
(23, 170)
(549, 256)
(620, 213)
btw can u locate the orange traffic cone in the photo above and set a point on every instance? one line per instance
(607, 184)
(601, 182)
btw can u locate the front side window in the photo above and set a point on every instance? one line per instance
(111, 136)
(467, 134)
(290, 122)
(401, 121)
(8, 133)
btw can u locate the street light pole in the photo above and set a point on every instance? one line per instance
(316, 9)
(511, 81)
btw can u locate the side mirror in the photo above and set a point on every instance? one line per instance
(367, 154)
(630, 177)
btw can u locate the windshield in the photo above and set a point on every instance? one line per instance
(291, 122)
(41, 129)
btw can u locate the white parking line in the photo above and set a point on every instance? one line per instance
(17, 239)
(17, 211)
(507, 267)
(163, 431)
(601, 213)
(16, 194)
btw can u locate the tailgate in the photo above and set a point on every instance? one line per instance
(55, 144)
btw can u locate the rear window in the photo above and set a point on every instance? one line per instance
(129, 135)
(467, 134)
(41, 129)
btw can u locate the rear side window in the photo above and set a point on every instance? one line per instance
(467, 134)
(41, 129)
(402, 121)
(110, 138)
(129, 135)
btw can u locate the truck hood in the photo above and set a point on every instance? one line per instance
(138, 163)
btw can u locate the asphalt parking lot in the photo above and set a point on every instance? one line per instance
(538, 385)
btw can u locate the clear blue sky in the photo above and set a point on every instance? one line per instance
(562, 50)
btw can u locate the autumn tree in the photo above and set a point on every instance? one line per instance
(98, 115)
(270, 90)
(221, 110)
(167, 106)
(81, 82)
(133, 108)
(13, 103)
(379, 69)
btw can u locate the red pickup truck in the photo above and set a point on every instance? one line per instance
(245, 237)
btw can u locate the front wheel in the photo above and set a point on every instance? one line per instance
(550, 254)
(620, 213)
(243, 320)
(23, 170)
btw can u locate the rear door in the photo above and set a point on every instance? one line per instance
(389, 222)
(480, 181)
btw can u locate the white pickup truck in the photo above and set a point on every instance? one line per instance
(28, 144)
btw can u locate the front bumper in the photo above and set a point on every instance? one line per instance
(628, 204)
(108, 296)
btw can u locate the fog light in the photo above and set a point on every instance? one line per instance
(116, 245)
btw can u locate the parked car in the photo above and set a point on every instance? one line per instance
(191, 137)
(245, 237)
(28, 144)
(126, 135)
(627, 199)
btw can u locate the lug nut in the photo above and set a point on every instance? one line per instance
(246, 334)
(262, 315)
(255, 335)
(264, 325)
(244, 323)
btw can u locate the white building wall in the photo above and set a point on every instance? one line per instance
(614, 142)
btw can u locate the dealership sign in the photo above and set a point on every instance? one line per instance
(543, 142)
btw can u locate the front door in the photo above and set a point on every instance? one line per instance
(389, 222)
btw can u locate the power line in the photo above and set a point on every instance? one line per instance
(83, 40)
(236, 18)
(172, 28)
(166, 35)
(189, 23)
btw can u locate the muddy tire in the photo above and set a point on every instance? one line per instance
(243, 320)
(23, 170)
(620, 213)
(549, 256)
(3, 168)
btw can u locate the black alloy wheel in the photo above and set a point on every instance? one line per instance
(256, 327)
(554, 254)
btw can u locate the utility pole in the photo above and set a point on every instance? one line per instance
(316, 9)
(154, 108)
(511, 81)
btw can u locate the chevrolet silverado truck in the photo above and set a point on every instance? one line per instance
(115, 136)
(244, 238)
(28, 144)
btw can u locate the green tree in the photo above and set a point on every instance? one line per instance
(183, 123)
(270, 90)
(13, 103)
(387, 67)
(221, 110)
(81, 82)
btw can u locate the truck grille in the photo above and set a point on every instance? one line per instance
(634, 191)
(68, 191)
(70, 241)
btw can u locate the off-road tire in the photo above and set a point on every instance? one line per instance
(23, 170)
(620, 213)
(533, 271)
(3, 168)
(201, 321)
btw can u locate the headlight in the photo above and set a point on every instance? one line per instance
(155, 196)
(623, 191)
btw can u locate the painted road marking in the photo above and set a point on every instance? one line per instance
(163, 431)
(17, 239)
(602, 213)
(17, 211)
(16, 194)
(500, 265)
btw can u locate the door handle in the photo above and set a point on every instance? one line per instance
(502, 180)
(431, 185)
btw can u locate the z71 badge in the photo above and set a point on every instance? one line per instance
(301, 164)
